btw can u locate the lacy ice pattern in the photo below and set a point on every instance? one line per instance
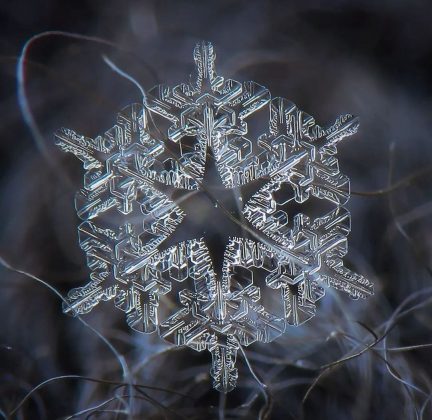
(213, 215)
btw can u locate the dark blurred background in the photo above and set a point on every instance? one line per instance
(372, 59)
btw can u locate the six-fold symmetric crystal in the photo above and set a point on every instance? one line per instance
(260, 163)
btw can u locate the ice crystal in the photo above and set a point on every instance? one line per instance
(212, 214)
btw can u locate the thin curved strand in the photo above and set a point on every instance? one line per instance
(23, 101)
(118, 356)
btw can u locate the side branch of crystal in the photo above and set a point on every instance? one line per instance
(294, 225)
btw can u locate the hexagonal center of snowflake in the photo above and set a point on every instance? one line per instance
(213, 213)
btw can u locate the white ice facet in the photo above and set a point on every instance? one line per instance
(213, 215)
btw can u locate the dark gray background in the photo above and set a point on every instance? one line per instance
(372, 59)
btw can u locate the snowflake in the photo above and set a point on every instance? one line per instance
(213, 215)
